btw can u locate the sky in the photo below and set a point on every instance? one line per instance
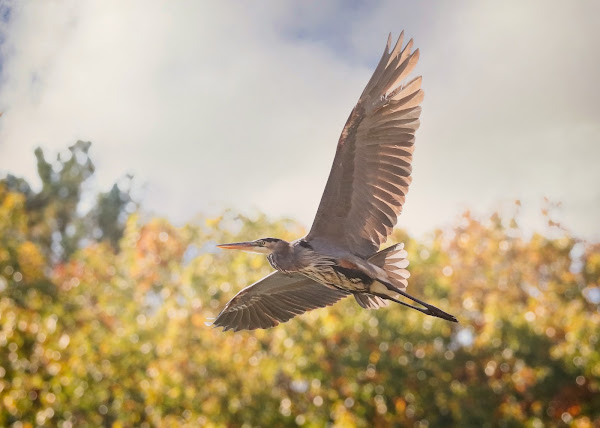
(215, 105)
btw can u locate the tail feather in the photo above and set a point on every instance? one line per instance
(393, 260)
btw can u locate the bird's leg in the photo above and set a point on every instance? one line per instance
(383, 296)
(430, 309)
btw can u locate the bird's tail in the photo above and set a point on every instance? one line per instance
(393, 260)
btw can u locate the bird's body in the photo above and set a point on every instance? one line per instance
(300, 257)
(363, 197)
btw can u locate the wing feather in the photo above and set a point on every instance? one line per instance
(372, 167)
(253, 317)
(369, 301)
(275, 299)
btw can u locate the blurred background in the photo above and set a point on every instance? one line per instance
(121, 130)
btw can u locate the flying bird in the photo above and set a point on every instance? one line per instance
(359, 208)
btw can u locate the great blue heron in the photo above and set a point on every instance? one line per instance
(363, 197)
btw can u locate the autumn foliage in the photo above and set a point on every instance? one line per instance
(109, 328)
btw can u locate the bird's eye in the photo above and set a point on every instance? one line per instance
(260, 243)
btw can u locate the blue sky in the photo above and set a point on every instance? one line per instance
(240, 105)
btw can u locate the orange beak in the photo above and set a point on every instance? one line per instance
(237, 246)
(249, 247)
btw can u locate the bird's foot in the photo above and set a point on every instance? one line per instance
(436, 312)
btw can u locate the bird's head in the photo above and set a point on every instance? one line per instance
(260, 246)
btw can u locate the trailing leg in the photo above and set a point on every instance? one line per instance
(383, 296)
(430, 309)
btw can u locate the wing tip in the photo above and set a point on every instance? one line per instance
(414, 57)
(400, 38)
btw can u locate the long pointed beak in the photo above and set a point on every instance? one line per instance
(247, 246)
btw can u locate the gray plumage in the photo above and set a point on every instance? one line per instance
(363, 197)
(371, 170)
(276, 298)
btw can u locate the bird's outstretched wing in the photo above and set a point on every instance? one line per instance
(276, 298)
(371, 170)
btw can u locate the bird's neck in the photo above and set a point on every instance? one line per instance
(284, 257)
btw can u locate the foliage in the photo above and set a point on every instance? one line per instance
(54, 214)
(116, 336)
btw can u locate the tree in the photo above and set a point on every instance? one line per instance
(55, 216)
(122, 340)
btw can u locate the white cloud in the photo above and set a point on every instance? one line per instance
(229, 105)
